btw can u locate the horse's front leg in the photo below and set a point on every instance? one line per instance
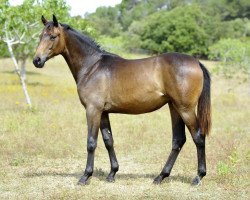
(109, 143)
(93, 121)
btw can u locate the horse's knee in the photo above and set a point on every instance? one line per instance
(92, 143)
(178, 143)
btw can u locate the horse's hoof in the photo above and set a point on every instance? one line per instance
(110, 179)
(83, 180)
(196, 181)
(157, 180)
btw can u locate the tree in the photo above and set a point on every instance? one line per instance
(4, 4)
(234, 55)
(25, 18)
(21, 27)
(136, 10)
(105, 20)
(180, 30)
(227, 9)
(18, 33)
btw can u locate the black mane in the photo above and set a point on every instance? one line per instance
(85, 38)
(89, 41)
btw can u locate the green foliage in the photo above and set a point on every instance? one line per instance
(105, 20)
(233, 54)
(223, 168)
(195, 27)
(228, 166)
(181, 30)
(228, 50)
(112, 21)
(81, 25)
(115, 45)
(173, 25)
(134, 10)
(17, 160)
(26, 18)
(227, 9)
(4, 4)
(234, 158)
(59, 8)
(236, 28)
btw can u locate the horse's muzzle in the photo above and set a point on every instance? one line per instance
(38, 62)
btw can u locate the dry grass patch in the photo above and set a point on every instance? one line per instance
(43, 151)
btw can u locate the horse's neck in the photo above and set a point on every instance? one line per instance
(79, 57)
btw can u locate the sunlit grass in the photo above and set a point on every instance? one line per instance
(43, 151)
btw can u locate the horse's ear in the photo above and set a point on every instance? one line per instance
(44, 20)
(55, 21)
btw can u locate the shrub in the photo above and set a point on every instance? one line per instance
(233, 54)
(180, 30)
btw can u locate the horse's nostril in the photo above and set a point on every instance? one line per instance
(37, 61)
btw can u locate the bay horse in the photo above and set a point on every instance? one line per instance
(107, 83)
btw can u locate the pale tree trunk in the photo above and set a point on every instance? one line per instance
(15, 37)
(22, 79)
(23, 68)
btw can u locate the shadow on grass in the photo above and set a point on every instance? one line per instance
(27, 73)
(101, 175)
(17, 82)
(45, 173)
(39, 84)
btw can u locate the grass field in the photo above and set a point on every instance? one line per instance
(43, 151)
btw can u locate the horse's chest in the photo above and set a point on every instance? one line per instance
(92, 94)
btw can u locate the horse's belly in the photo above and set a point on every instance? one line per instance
(137, 104)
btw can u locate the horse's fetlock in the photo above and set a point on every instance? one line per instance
(115, 167)
(88, 171)
(202, 172)
(165, 174)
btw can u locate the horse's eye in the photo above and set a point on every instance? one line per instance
(52, 37)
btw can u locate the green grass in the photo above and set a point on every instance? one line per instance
(43, 151)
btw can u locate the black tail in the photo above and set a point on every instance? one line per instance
(204, 103)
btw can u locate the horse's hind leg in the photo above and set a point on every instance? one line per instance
(190, 119)
(179, 138)
(109, 143)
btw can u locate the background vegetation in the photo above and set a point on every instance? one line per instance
(205, 29)
(210, 29)
(43, 149)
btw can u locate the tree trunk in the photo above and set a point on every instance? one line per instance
(23, 68)
(22, 80)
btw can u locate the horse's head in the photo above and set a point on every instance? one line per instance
(51, 42)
